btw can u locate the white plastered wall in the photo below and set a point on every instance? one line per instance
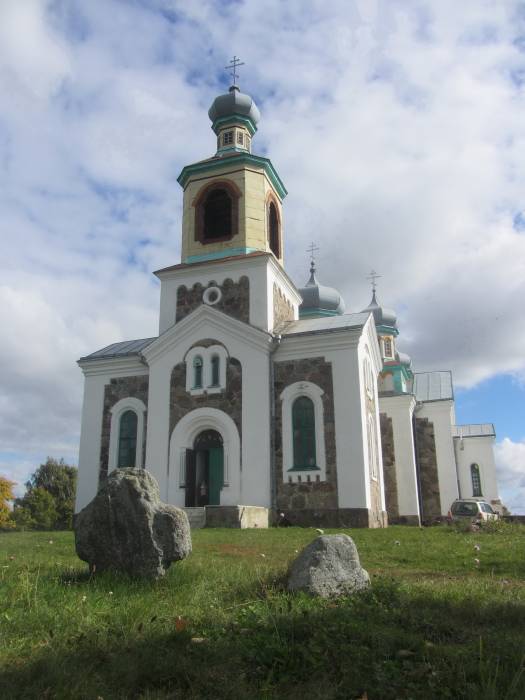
(441, 414)
(97, 375)
(400, 409)
(480, 451)
(251, 485)
(341, 350)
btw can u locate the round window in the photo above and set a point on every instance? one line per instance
(212, 295)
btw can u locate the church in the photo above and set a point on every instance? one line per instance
(259, 400)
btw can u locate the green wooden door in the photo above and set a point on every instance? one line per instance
(216, 475)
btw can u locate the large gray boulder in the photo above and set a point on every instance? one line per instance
(126, 527)
(329, 566)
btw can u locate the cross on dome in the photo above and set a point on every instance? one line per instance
(312, 248)
(234, 63)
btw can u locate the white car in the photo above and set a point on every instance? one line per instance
(472, 508)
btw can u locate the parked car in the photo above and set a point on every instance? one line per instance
(472, 508)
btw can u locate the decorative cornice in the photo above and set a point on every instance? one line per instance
(206, 316)
(131, 365)
(238, 158)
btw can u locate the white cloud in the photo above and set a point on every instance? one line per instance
(510, 465)
(397, 127)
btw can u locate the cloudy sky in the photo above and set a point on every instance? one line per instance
(398, 127)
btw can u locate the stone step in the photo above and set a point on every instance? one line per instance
(197, 517)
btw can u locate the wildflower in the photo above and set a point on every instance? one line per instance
(297, 551)
(476, 562)
(50, 541)
(318, 529)
(111, 593)
(263, 555)
(84, 598)
(477, 547)
(397, 543)
(11, 557)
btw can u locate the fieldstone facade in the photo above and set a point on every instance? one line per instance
(389, 468)
(117, 389)
(229, 400)
(303, 498)
(234, 299)
(427, 466)
(282, 308)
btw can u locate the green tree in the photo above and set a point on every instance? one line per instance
(60, 480)
(39, 505)
(49, 501)
(6, 495)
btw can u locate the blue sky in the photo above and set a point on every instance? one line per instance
(397, 126)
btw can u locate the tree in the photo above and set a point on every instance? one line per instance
(6, 495)
(38, 511)
(50, 498)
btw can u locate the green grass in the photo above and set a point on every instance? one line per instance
(220, 625)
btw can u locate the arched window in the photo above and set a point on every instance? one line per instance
(388, 347)
(215, 367)
(273, 230)
(303, 428)
(476, 480)
(127, 440)
(197, 372)
(217, 215)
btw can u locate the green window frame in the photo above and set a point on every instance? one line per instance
(303, 431)
(127, 440)
(215, 370)
(197, 372)
(476, 480)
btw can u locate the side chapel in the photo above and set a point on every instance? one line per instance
(258, 398)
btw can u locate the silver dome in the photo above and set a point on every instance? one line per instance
(320, 299)
(234, 102)
(382, 316)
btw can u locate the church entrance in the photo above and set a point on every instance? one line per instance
(205, 470)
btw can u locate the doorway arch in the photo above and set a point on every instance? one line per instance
(183, 439)
(204, 477)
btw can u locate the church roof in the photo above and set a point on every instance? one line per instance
(382, 316)
(122, 349)
(433, 386)
(323, 324)
(234, 102)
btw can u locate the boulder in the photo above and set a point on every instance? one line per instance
(126, 527)
(329, 566)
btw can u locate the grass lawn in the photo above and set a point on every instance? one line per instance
(435, 624)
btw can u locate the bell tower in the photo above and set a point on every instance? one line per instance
(233, 200)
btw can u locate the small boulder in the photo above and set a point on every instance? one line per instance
(126, 527)
(329, 566)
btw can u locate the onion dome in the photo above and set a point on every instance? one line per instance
(382, 316)
(234, 104)
(403, 359)
(319, 300)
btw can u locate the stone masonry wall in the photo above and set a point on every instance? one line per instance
(117, 389)
(389, 467)
(229, 400)
(282, 308)
(427, 467)
(235, 299)
(316, 494)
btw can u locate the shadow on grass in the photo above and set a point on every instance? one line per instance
(388, 642)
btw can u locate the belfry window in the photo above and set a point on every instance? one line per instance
(215, 370)
(217, 215)
(197, 372)
(387, 344)
(227, 138)
(303, 427)
(273, 230)
(476, 480)
(127, 441)
(240, 138)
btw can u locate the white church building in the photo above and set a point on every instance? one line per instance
(259, 398)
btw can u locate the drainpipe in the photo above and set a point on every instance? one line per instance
(276, 341)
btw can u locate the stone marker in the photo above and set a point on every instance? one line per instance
(328, 566)
(126, 527)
